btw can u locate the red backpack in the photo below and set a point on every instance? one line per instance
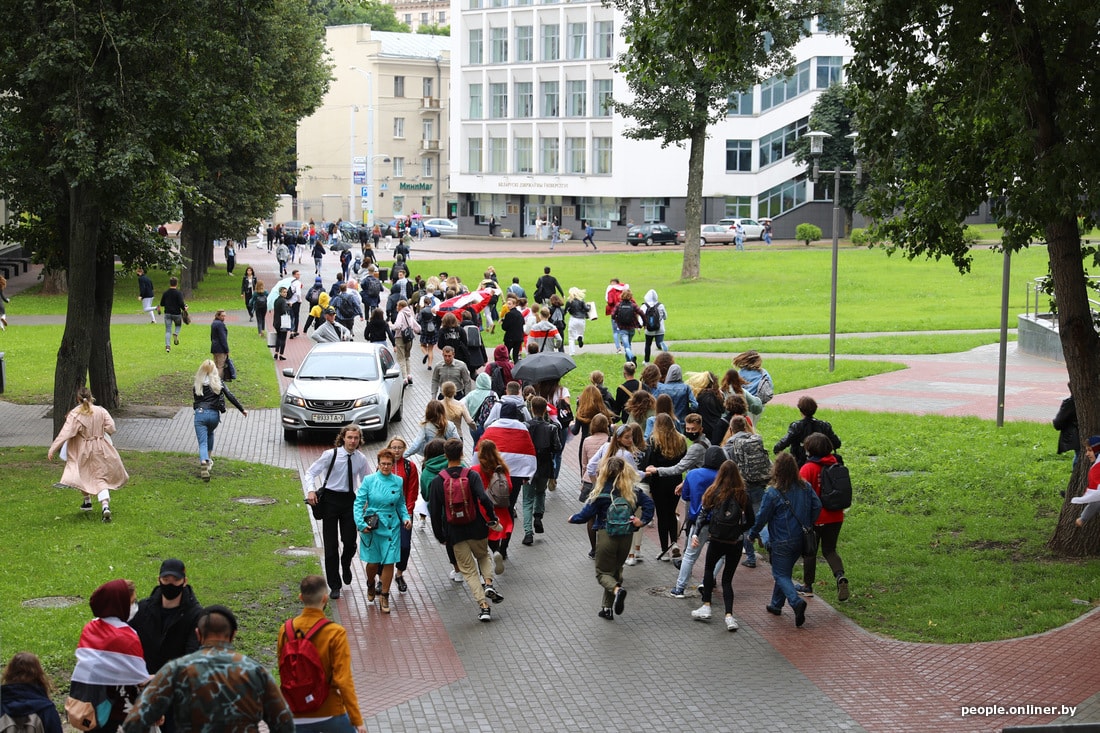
(302, 677)
(458, 500)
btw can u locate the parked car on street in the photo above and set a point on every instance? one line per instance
(709, 234)
(441, 227)
(343, 383)
(752, 228)
(650, 234)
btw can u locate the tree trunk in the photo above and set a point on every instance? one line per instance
(693, 207)
(101, 365)
(1081, 348)
(76, 342)
(54, 282)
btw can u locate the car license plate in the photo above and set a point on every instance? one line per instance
(337, 417)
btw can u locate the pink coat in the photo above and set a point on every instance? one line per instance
(93, 464)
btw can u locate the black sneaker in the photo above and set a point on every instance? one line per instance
(800, 614)
(492, 595)
(87, 505)
(485, 614)
(347, 575)
(620, 600)
(773, 610)
(528, 539)
(538, 526)
(401, 584)
(334, 595)
(606, 613)
(580, 341)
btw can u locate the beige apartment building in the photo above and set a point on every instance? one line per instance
(415, 13)
(376, 148)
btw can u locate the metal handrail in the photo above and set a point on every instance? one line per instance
(1038, 287)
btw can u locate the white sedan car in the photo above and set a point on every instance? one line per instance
(443, 226)
(752, 228)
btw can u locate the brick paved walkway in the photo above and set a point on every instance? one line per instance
(546, 662)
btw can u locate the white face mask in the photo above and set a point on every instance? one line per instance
(133, 611)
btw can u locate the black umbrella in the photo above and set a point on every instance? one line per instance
(543, 366)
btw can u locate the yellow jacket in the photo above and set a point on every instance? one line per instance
(332, 646)
(322, 303)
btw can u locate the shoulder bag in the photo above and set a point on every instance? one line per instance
(809, 536)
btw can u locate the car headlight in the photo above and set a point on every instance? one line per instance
(295, 400)
(366, 401)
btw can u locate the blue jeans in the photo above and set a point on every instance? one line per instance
(616, 336)
(206, 422)
(534, 502)
(625, 337)
(335, 724)
(171, 321)
(687, 562)
(783, 557)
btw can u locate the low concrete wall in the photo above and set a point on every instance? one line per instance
(1037, 334)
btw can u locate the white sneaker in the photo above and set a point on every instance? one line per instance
(701, 614)
(731, 624)
(498, 563)
(631, 560)
(457, 576)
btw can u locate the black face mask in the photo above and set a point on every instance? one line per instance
(171, 592)
(692, 436)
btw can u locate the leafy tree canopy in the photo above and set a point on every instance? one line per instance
(380, 15)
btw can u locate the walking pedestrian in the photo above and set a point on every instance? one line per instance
(789, 505)
(380, 514)
(248, 289)
(230, 256)
(282, 254)
(666, 447)
(219, 343)
(627, 318)
(410, 486)
(653, 320)
(209, 403)
(405, 329)
(801, 429)
(282, 322)
(173, 305)
(92, 464)
(259, 306)
(145, 295)
(827, 525)
(294, 301)
(612, 504)
(727, 513)
(589, 230)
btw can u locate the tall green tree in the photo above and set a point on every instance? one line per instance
(378, 14)
(832, 113)
(968, 103)
(683, 61)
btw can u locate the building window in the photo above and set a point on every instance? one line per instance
(653, 210)
(475, 46)
(475, 4)
(476, 108)
(423, 19)
(779, 89)
(548, 155)
(827, 24)
(550, 43)
(426, 167)
(578, 40)
(398, 167)
(601, 157)
(775, 146)
(740, 104)
(576, 98)
(429, 86)
(525, 99)
(525, 35)
(829, 71)
(428, 130)
(441, 19)
(500, 3)
(603, 41)
(399, 127)
(523, 155)
(498, 101)
(782, 198)
(498, 46)
(408, 19)
(738, 156)
(473, 155)
(601, 90)
(575, 155)
(548, 91)
(498, 155)
(739, 207)
(601, 213)
(399, 86)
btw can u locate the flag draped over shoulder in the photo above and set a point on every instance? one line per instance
(514, 443)
(109, 653)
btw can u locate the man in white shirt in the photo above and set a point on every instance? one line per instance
(294, 300)
(341, 469)
(330, 330)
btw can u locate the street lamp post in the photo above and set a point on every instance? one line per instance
(369, 219)
(817, 147)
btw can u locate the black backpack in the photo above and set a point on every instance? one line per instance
(729, 521)
(314, 294)
(547, 441)
(836, 487)
(372, 286)
(625, 317)
(345, 306)
(653, 317)
(496, 379)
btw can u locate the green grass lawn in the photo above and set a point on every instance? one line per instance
(164, 511)
(941, 343)
(146, 374)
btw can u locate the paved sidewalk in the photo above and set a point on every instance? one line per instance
(547, 663)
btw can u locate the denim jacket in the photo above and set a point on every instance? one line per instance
(783, 526)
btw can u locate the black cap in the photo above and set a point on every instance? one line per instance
(173, 568)
(330, 311)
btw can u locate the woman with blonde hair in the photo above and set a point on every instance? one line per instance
(92, 464)
(613, 509)
(456, 410)
(589, 404)
(665, 447)
(577, 309)
(727, 520)
(209, 403)
(435, 425)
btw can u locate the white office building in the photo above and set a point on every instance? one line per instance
(532, 135)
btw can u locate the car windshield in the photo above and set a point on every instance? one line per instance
(352, 367)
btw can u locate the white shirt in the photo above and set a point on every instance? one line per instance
(338, 479)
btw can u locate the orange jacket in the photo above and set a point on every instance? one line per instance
(332, 646)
